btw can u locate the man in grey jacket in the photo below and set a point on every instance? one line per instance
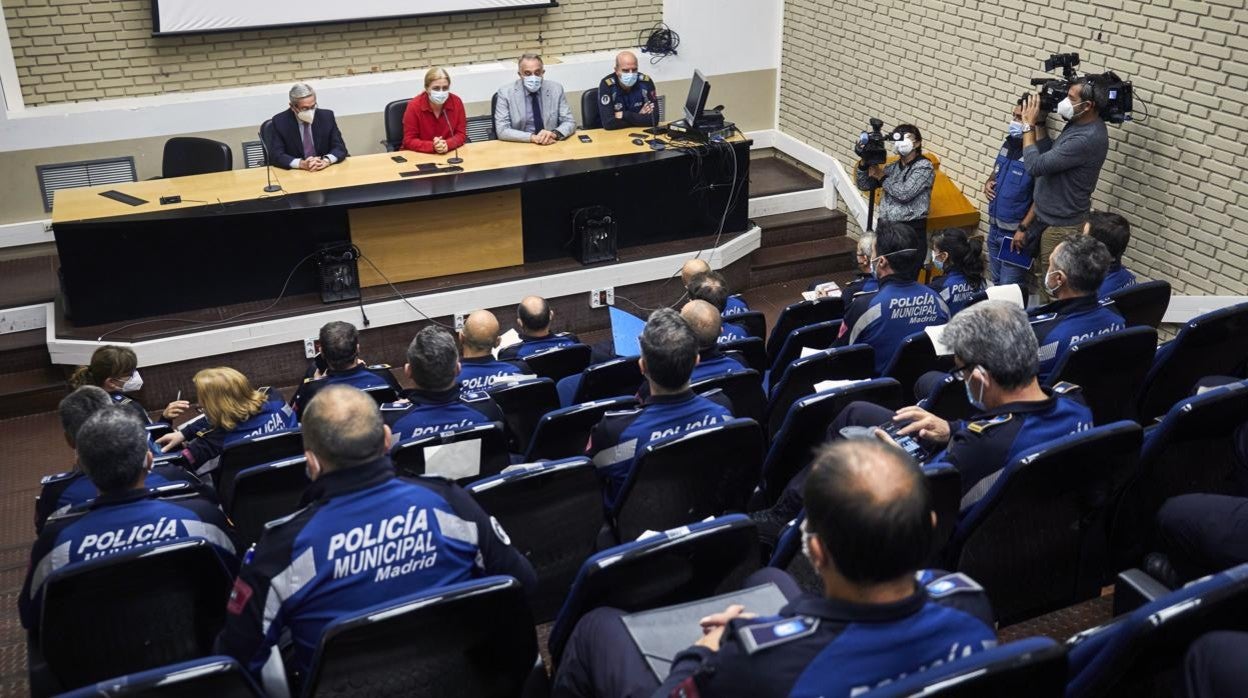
(532, 109)
(1065, 169)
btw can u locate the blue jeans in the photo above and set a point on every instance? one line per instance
(1001, 272)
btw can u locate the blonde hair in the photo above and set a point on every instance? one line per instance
(227, 396)
(436, 73)
(108, 361)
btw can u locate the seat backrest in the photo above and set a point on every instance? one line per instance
(210, 677)
(612, 378)
(1143, 304)
(589, 109)
(253, 451)
(1034, 667)
(752, 321)
(564, 432)
(414, 456)
(470, 639)
(683, 564)
(744, 388)
(752, 350)
(480, 128)
(382, 394)
(914, 357)
(1126, 656)
(787, 556)
(559, 362)
(805, 427)
(266, 492)
(173, 615)
(523, 403)
(799, 315)
(553, 513)
(948, 400)
(1213, 344)
(392, 118)
(186, 155)
(944, 482)
(1036, 540)
(819, 335)
(686, 478)
(1109, 369)
(854, 362)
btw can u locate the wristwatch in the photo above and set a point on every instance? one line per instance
(1027, 128)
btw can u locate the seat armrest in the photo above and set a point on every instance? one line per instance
(1134, 588)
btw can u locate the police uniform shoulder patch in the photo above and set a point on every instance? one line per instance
(201, 433)
(644, 77)
(979, 426)
(474, 396)
(395, 406)
(498, 531)
(1065, 388)
(77, 511)
(767, 633)
(1043, 318)
(283, 520)
(59, 477)
(950, 584)
(380, 367)
(608, 81)
(122, 400)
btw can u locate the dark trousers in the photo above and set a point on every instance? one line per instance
(1203, 533)
(601, 659)
(1216, 666)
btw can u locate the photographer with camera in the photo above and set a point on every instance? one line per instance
(1066, 168)
(907, 181)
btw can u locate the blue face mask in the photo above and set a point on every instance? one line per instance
(628, 79)
(977, 404)
(1016, 129)
(940, 265)
(533, 83)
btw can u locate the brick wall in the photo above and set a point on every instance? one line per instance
(77, 50)
(957, 67)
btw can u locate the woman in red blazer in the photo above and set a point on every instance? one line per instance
(434, 121)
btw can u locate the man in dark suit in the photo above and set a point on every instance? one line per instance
(304, 137)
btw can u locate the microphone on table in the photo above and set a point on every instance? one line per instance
(456, 159)
(270, 187)
(654, 143)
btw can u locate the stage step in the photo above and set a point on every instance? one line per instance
(823, 256)
(31, 391)
(28, 280)
(771, 176)
(801, 226)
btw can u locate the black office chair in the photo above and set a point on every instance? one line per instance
(590, 117)
(392, 119)
(787, 556)
(686, 478)
(751, 349)
(552, 512)
(854, 362)
(1034, 667)
(744, 388)
(559, 362)
(186, 156)
(948, 400)
(1109, 369)
(914, 357)
(254, 451)
(612, 378)
(210, 677)
(266, 492)
(523, 403)
(381, 394)
(268, 136)
(801, 314)
(474, 638)
(172, 615)
(1143, 304)
(479, 128)
(564, 432)
(820, 335)
(410, 456)
(1213, 344)
(752, 321)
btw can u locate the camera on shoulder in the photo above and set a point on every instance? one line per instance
(1118, 97)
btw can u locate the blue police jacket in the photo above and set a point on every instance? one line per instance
(530, 345)
(885, 317)
(729, 332)
(427, 412)
(713, 364)
(358, 376)
(1014, 187)
(61, 492)
(614, 97)
(955, 289)
(1062, 324)
(1116, 277)
(862, 283)
(363, 537)
(982, 447)
(205, 441)
(117, 522)
(837, 649)
(735, 305)
(620, 436)
(123, 400)
(479, 373)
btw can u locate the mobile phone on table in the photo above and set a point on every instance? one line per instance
(585, 139)
(426, 167)
(399, 158)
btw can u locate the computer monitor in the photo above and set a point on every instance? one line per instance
(699, 90)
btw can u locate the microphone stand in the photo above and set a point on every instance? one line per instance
(456, 159)
(270, 187)
(654, 143)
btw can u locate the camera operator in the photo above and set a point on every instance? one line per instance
(907, 181)
(1066, 168)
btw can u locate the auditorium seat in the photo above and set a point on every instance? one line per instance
(1036, 539)
(801, 314)
(1141, 305)
(523, 403)
(129, 611)
(1141, 653)
(1191, 450)
(185, 156)
(819, 335)
(788, 556)
(948, 400)
(559, 362)
(686, 478)
(854, 362)
(805, 427)
(752, 321)
(210, 677)
(474, 638)
(392, 122)
(1033, 667)
(552, 512)
(1109, 369)
(410, 456)
(382, 394)
(914, 357)
(564, 432)
(751, 349)
(266, 492)
(944, 482)
(252, 451)
(683, 564)
(612, 378)
(744, 388)
(1212, 344)
(590, 118)
(479, 128)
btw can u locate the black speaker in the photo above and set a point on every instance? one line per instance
(593, 229)
(338, 268)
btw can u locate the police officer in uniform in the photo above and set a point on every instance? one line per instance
(869, 528)
(65, 490)
(340, 348)
(533, 319)
(706, 323)
(112, 449)
(961, 261)
(436, 404)
(478, 369)
(901, 306)
(1115, 233)
(1009, 192)
(363, 537)
(669, 352)
(1076, 270)
(627, 98)
(712, 287)
(116, 370)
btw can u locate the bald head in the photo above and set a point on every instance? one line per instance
(534, 315)
(705, 321)
(480, 334)
(342, 428)
(691, 269)
(626, 60)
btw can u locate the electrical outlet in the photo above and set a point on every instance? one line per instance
(459, 322)
(309, 347)
(610, 295)
(597, 298)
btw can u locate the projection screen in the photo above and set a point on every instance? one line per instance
(197, 16)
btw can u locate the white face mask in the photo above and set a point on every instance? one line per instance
(903, 147)
(806, 536)
(439, 96)
(1066, 109)
(306, 116)
(533, 83)
(1052, 290)
(133, 384)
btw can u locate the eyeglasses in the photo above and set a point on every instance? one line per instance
(960, 373)
(303, 109)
